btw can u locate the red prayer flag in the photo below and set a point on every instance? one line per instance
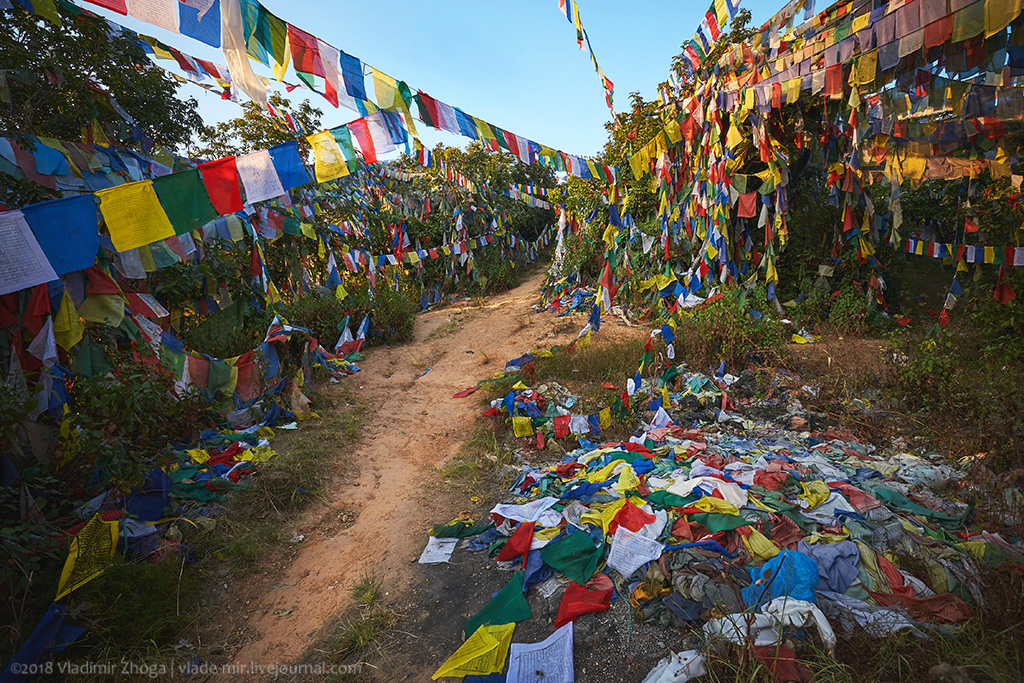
(518, 544)
(118, 6)
(1003, 292)
(577, 600)
(100, 282)
(630, 517)
(37, 309)
(561, 424)
(464, 393)
(221, 179)
(305, 52)
(747, 205)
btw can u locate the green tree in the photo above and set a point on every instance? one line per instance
(60, 78)
(738, 33)
(630, 131)
(253, 130)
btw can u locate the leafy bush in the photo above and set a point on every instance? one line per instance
(392, 313)
(120, 424)
(231, 332)
(725, 329)
(965, 392)
(320, 313)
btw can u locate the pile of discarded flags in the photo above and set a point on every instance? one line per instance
(738, 530)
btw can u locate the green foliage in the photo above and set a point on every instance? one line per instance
(319, 312)
(224, 266)
(967, 392)
(31, 553)
(253, 130)
(15, 192)
(121, 423)
(849, 312)
(228, 333)
(593, 365)
(367, 589)
(724, 329)
(135, 606)
(62, 78)
(392, 313)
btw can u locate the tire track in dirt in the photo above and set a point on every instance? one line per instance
(415, 426)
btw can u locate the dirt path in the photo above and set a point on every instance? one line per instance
(415, 427)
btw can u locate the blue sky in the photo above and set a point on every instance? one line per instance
(515, 65)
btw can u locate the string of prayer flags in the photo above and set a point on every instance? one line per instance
(571, 11)
(967, 253)
(254, 32)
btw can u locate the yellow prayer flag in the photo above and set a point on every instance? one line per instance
(627, 480)
(604, 417)
(68, 328)
(998, 14)
(759, 547)
(330, 162)
(522, 426)
(815, 492)
(710, 504)
(604, 473)
(584, 341)
(133, 215)
(483, 653)
(89, 554)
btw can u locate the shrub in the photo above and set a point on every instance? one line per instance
(237, 329)
(320, 313)
(725, 329)
(964, 391)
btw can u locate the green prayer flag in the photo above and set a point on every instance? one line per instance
(458, 530)
(90, 359)
(576, 556)
(184, 199)
(509, 605)
(717, 521)
(662, 499)
(219, 377)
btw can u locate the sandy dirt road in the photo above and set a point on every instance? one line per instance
(414, 427)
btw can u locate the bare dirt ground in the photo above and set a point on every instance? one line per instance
(414, 427)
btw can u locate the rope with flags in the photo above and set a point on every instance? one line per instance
(570, 9)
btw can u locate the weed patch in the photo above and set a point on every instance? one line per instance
(367, 589)
(481, 456)
(598, 363)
